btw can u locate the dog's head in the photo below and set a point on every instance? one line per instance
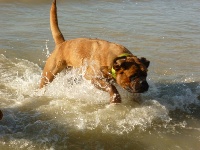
(130, 73)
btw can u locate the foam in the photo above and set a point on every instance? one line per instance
(77, 104)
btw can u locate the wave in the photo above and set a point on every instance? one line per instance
(72, 104)
(69, 91)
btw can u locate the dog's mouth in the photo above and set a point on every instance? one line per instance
(135, 91)
(139, 87)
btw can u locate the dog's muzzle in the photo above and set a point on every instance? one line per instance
(138, 86)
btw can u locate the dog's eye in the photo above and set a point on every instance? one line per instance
(133, 77)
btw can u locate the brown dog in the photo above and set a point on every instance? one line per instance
(105, 61)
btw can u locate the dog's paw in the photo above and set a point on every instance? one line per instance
(116, 98)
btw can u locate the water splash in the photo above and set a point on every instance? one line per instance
(46, 50)
(70, 104)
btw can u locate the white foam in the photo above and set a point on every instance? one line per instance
(75, 102)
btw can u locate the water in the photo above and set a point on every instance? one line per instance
(71, 113)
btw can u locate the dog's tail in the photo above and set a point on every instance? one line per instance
(56, 33)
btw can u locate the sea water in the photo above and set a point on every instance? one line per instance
(70, 113)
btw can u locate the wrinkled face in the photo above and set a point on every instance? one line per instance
(131, 73)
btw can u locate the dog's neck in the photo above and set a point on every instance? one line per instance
(113, 71)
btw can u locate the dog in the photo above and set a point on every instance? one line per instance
(106, 62)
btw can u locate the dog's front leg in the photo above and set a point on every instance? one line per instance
(108, 87)
(52, 67)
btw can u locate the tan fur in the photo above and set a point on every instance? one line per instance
(99, 56)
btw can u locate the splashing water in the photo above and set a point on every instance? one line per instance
(72, 104)
(70, 113)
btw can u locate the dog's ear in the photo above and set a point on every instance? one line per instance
(118, 62)
(145, 61)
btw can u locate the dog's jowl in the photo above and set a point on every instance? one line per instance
(106, 61)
